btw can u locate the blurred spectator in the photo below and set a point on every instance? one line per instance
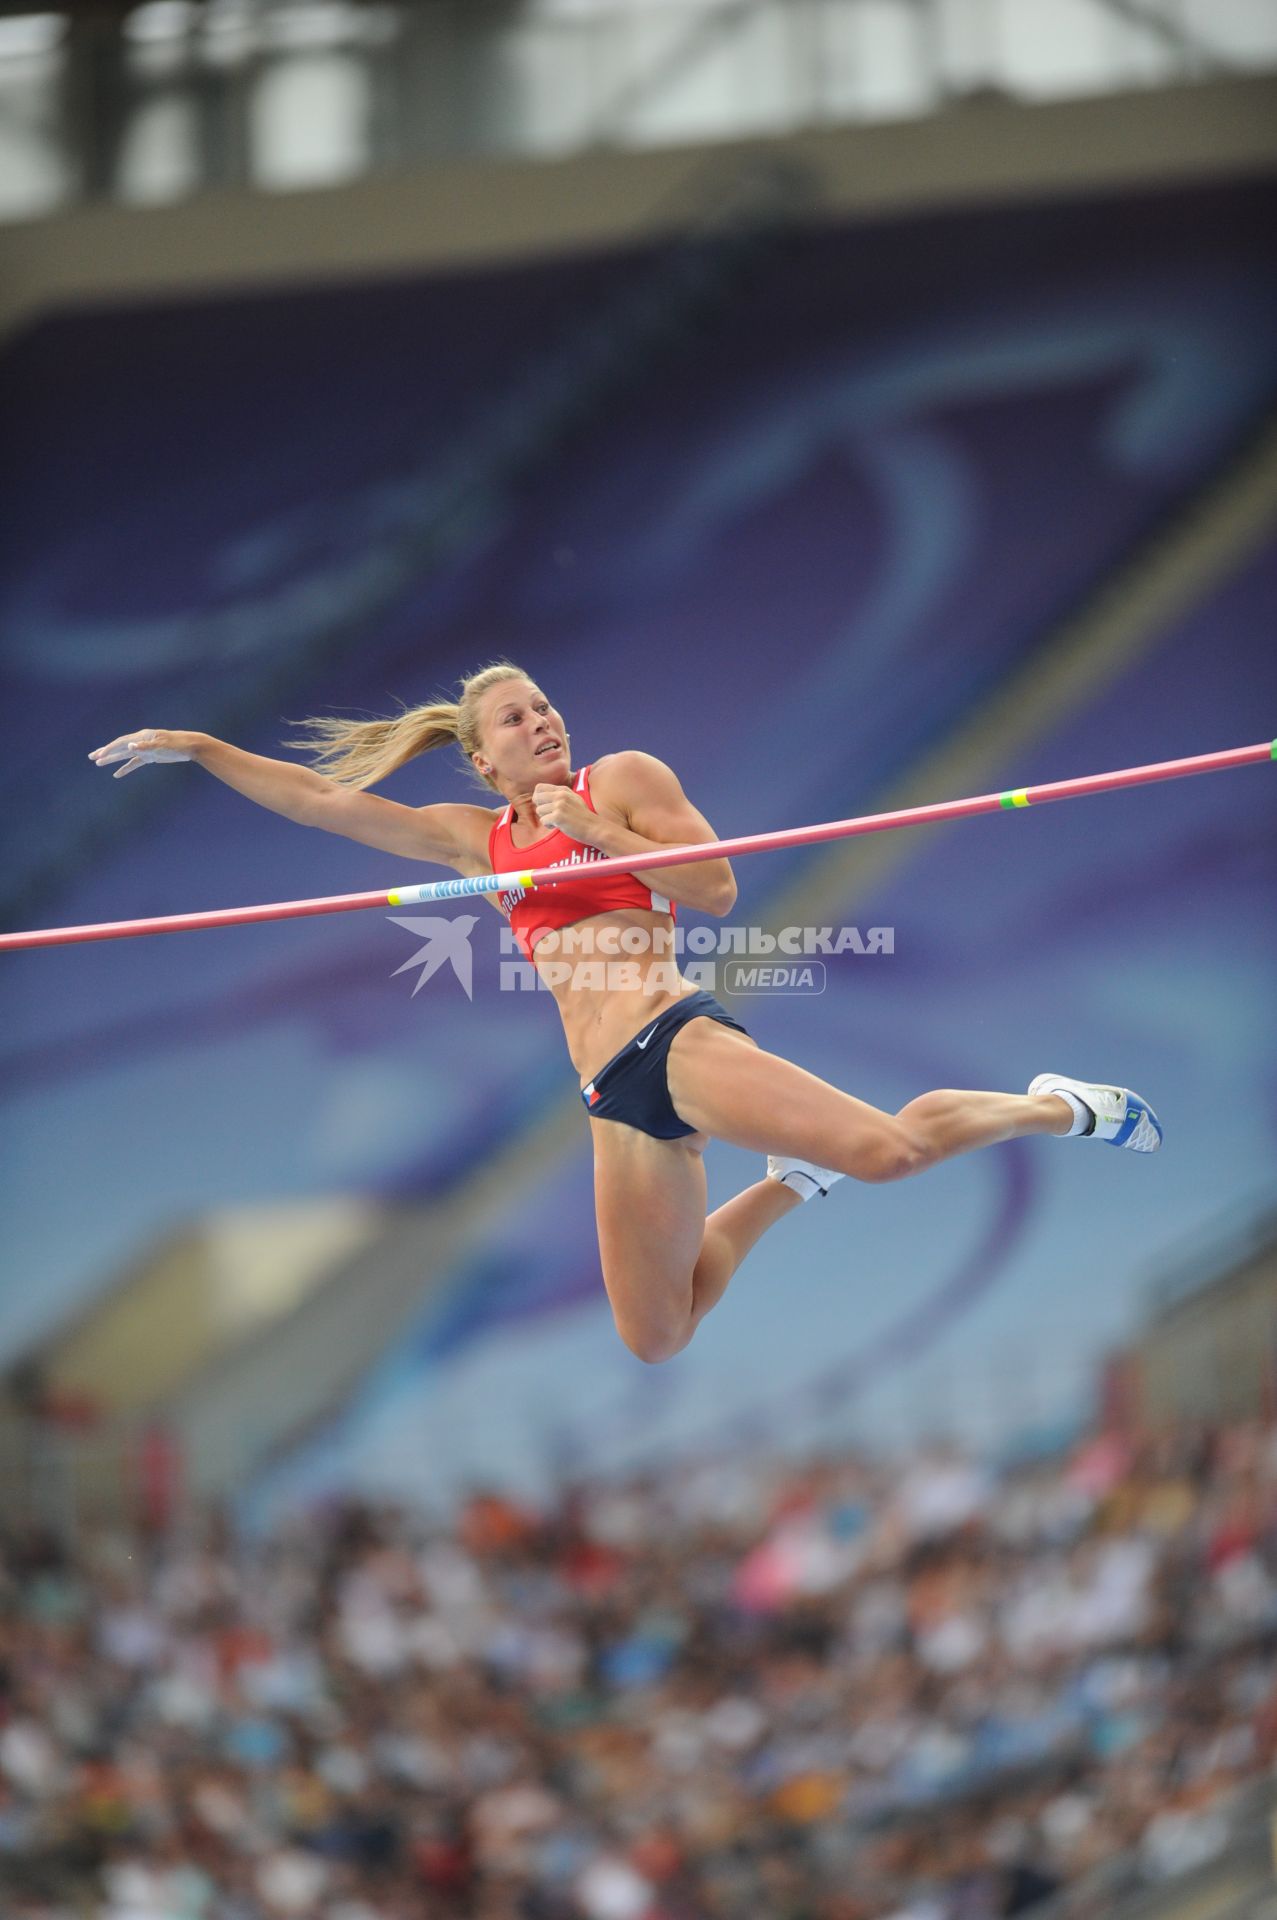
(848, 1690)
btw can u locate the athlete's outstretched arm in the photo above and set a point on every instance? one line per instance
(452, 836)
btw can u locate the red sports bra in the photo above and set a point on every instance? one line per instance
(534, 913)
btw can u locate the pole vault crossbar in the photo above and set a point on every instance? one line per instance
(433, 892)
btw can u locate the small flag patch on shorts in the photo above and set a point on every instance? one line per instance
(591, 1094)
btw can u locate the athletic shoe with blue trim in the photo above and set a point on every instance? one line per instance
(802, 1177)
(1119, 1116)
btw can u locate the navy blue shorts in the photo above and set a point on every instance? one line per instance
(632, 1086)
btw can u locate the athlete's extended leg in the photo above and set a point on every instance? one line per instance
(664, 1264)
(734, 1091)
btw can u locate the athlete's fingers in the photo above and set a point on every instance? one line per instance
(147, 745)
(123, 743)
(113, 750)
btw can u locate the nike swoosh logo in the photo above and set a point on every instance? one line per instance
(646, 1037)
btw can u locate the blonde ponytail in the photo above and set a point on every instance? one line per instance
(359, 753)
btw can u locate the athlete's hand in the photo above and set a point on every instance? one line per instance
(559, 807)
(147, 746)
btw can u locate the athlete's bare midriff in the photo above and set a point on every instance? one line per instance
(605, 992)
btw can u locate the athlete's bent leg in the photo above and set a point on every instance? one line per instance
(730, 1232)
(664, 1264)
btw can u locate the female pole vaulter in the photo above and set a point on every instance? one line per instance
(663, 1067)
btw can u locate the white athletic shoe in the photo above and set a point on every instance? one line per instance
(1117, 1115)
(801, 1176)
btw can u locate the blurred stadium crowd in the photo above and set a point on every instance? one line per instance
(841, 1690)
